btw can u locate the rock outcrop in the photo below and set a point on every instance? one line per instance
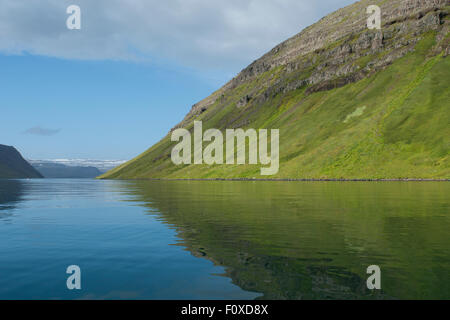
(339, 49)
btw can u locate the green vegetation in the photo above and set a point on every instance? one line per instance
(393, 124)
(358, 112)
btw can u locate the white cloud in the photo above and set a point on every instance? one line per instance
(206, 34)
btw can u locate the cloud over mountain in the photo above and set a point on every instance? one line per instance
(213, 34)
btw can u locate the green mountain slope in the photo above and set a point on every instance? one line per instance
(349, 102)
(14, 166)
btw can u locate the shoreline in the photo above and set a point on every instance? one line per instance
(283, 180)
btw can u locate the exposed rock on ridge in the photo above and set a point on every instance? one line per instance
(339, 49)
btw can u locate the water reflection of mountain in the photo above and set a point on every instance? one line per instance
(311, 241)
(11, 193)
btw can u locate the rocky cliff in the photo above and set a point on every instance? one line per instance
(329, 53)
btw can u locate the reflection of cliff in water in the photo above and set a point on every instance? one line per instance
(11, 193)
(300, 241)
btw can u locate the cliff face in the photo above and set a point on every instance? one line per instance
(349, 102)
(14, 166)
(332, 49)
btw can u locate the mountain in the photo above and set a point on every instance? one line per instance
(101, 165)
(53, 170)
(349, 102)
(14, 166)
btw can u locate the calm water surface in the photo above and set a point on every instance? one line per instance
(224, 240)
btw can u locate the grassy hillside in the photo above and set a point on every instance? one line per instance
(386, 118)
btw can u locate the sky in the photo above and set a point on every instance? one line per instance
(132, 72)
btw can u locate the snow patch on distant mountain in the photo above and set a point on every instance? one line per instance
(102, 165)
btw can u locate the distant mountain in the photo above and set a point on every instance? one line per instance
(53, 170)
(101, 165)
(349, 102)
(14, 166)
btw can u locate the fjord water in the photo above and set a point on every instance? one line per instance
(224, 239)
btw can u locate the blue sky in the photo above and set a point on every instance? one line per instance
(92, 109)
(117, 86)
